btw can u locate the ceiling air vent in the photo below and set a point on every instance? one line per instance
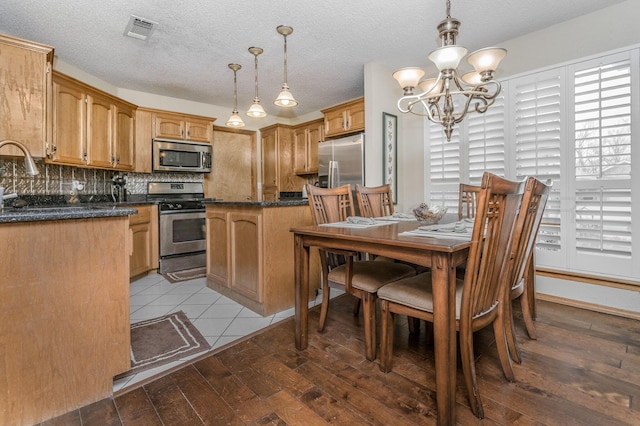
(140, 28)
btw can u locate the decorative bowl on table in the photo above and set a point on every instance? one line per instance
(429, 214)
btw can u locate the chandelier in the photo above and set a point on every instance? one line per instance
(447, 98)
(235, 120)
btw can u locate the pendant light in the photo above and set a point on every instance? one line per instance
(285, 98)
(256, 109)
(235, 120)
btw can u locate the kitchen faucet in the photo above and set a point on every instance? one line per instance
(29, 164)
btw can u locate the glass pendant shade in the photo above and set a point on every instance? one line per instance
(408, 78)
(428, 88)
(235, 120)
(472, 78)
(285, 98)
(447, 57)
(256, 110)
(487, 59)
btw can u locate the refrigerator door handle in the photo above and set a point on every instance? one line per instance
(333, 173)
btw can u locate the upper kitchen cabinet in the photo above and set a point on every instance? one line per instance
(91, 128)
(183, 127)
(344, 118)
(25, 93)
(305, 147)
(277, 162)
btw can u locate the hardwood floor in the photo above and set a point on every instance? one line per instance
(584, 369)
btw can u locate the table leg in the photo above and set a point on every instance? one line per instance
(444, 329)
(301, 291)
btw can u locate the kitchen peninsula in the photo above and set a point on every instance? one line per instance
(65, 308)
(250, 252)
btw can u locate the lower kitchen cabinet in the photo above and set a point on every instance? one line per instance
(65, 317)
(250, 253)
(144, 232)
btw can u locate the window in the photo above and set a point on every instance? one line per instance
(572, 124)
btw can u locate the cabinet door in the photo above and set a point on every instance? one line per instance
(199, 130)
(269, 158)
(169, 126)
(124, 137)
(355, 117)
(218, 247)
(69, 140)
(140, 259)
(246, 254)
(334, 122)
(300, 144)
(25, 84)
(100, 112)
(314, 136)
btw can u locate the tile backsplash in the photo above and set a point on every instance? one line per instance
(57, 180)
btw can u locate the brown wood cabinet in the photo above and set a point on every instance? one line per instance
(90, 128)
(250, 253)
(144, 232)
(25, 104)
(277, 162)
(344, 118)
(305, 147)
(65, 317)
(182, 127)
(235, 175)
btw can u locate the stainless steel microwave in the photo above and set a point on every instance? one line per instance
(178, 156)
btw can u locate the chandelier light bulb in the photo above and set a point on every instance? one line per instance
(285, 98)
(235, 120)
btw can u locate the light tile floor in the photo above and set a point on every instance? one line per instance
(219, 319)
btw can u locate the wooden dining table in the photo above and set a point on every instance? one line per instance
(441, 254)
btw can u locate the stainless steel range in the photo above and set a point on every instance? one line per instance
(182, 234)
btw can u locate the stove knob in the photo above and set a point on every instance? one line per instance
(178, 206)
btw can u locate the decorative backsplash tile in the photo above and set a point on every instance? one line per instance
(58, 180)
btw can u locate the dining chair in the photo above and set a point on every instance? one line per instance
(467, 201)
(479, 297)
(374, 201)
(342, 270)
(523, 245)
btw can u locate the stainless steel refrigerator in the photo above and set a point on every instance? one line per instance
(341, 161)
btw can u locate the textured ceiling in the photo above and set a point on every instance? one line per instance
(187, 55)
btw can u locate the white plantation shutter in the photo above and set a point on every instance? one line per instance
(444, 167)
(602, 117)
(485, 140)
(536, 111)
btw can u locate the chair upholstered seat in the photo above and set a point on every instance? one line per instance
(370, 276)
(416, 292)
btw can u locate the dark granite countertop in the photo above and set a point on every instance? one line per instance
(62, 212)
(281, 203)
(57, 207)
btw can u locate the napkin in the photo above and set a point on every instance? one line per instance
(400, 215)
(462, 227)
(359, 220)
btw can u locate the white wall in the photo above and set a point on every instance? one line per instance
(608, 29)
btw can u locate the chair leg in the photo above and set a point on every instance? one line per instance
(324, 308)
(510, 334)
(469, 370)
(414, 325)
(369, 311)
(528, 317)
(386, 336)
(499, 332)
(356, 307)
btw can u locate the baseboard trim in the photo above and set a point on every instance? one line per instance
(589, 306)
